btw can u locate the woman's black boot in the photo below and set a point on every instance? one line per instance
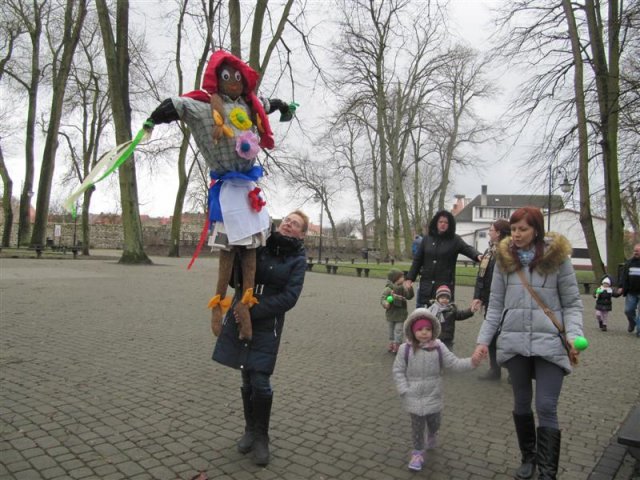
(261, 414)
(245, 444)
(548, 453)
(526, 431)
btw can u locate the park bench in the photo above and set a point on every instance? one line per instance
(629, 433)
(359, 270)
(332, 268)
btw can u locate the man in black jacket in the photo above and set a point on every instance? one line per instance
(631, 290)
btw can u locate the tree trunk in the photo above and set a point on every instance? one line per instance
(85, 227)
(583, 146)
(234, 27)
(183, 183)
(72, 30)
(608, 89)
(24, 214)
(7, 207)
(117, 59)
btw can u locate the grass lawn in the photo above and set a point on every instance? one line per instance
(464, 275)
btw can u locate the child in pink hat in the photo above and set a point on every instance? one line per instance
(417, 373)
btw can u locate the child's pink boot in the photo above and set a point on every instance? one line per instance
(417, 460)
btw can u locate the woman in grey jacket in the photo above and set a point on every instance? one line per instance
(529, 344)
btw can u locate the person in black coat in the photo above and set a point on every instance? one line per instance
(280, 270)
(497, 231)
(436, 258)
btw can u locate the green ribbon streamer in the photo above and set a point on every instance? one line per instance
(70, 203)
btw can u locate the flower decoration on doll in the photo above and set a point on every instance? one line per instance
(240, 119)
(247, 145)
(256, 200)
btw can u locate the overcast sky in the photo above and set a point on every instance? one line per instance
(470, 20)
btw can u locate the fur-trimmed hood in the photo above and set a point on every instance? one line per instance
(433, 225)
(556, 250)
(414, 316)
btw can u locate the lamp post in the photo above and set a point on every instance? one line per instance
(565, 186)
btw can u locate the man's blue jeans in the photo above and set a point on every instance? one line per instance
(632, 310)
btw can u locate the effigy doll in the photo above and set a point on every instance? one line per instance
(229, 124)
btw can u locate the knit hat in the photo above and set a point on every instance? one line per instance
(443, 290)
(417, 315)
(394, 275)
(420, 324)
(606, 280)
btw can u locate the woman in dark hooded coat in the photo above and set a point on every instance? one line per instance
(436, 258)
(280, 270)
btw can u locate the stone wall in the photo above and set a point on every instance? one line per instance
(158, 238)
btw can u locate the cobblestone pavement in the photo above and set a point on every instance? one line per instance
(105, 373)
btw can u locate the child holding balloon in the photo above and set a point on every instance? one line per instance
(394, 301)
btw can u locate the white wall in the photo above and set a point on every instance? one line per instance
(567, 222)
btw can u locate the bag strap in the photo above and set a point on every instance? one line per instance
(547, 311)
(573, 358)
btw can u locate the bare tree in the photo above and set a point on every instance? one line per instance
(88, 101)
(631, 207)
(607, 77)
(204, 17)
(7, 209)
(365, 49)
(63, 48)
(454, 123)
(556, 39)
(583, 178)
(10, 30)
(312, 181)
(345, 140)
(27, 17)
(116, 47)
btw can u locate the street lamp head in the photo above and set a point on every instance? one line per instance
(565, 186)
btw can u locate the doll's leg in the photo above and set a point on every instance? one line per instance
(248, 263)
(218, 310)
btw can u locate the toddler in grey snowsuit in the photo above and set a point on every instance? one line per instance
(417, 373)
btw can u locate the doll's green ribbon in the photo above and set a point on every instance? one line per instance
(108, 163)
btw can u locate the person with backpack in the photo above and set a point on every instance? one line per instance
(417, 373)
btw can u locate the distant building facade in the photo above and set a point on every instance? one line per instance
(474, 219)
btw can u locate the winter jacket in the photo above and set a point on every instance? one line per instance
(280, 269)
(436, 259)
(485, 274)
(631, 277)
(603, 298)
(398, 311)
(524, 328)
(418, 379)
(447, 317)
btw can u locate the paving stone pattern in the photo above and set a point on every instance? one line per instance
(105, 373)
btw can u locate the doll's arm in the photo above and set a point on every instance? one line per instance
(165, 113)
(287, 110)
